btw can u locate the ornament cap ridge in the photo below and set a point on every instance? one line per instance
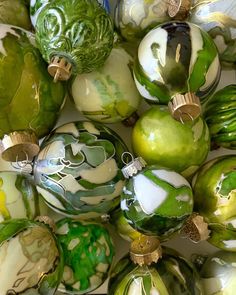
(133, 167)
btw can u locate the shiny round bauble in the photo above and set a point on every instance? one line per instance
(160, 139)
(19, 197)
(88, 252)
(157, 201)
(176, 58)
(31, 259)
(30, 101)
(80, 31)
(218, 274)
(108, 95)
(214, 199)
(218, 18)
(78, 169)
(15, 12)
(171, 275)
(134, 18)
(220, 115)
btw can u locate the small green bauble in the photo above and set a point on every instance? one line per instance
(30, 257)
(218, 274)
(171, 275)
(80, 31)
(19, 197)
(159, 139)
(78, 169)
(88, 252)
(220, 114)
(214, 199)
(108, 95)
(157, 201)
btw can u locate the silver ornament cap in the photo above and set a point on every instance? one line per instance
(133, 167)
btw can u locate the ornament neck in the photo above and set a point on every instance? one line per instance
(133, 167)
(60, 68)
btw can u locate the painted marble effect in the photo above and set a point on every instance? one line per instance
(109, 94)
(157, 201)
(88, 252)
(176, 57)
(30, 260)
(78, 169)
(214, 199)
(172, 275)
(19, 197)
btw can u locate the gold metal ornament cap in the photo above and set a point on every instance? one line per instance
(133, 167)
(195, 228)
(48, 221)
(19, 146)
(145, 250)
(60, 69)
(185, 107)
(179, 9)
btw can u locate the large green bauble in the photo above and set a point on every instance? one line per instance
(218, 18)
(171, 275)
(220, 115)
(157, 201)
(81, 31)
(108, 95)
(29, 100)
(19, 197)
(218, 274)
(15, 12)
(88, 252)
(78, 170)
(160, 139)
(30, 257)
(176, 58)
(214, 199)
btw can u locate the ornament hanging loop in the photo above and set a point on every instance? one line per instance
(133, 167)
(25, 166)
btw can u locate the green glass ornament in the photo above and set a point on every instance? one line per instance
(156, 201)
(220, 117)
(159, 139)
(73, 36)
(108, 95)
(30, 102)
(30, 257)
(19, 197)
(171, 275)
(177, 64)
(214, 199)
(218, 274)
(88, 252)
(78, 169)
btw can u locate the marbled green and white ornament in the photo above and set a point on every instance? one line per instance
(88, 252)
(109, 94)
(157, 201)
(31, 260)
(19, 197)
(214, 199)
(171, 275)
(176, 58)
(78, 169)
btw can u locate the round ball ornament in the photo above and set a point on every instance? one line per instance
(172, 274)
(31, 258)
(30, 101)
(177, 64)
(220, 117)
(19, 197)
(88, 252)
(159, 139)
(73, 37)
(155, 201)
(214, 199)
(78, 170)
(108, 95)
(218, 273)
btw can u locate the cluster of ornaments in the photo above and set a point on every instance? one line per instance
(108, 56)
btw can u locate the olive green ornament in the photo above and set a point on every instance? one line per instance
(88, 252)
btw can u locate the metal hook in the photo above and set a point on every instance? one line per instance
(23, 166)
(128, 154)
(187, 114)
